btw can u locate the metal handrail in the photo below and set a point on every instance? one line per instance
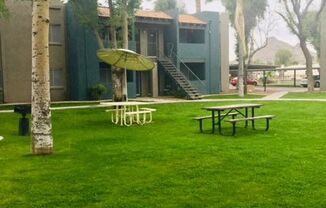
(172, 53)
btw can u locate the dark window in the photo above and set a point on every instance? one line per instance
(192, 36)
(55, 34)
(106, 77)
(197, 69)
(56, 78)
(137, 39)
(130, 76)
(152, 45)
(105, 73)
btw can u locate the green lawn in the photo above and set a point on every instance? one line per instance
(306, 95)
(169, 163)
(234, 96)
(64, 104)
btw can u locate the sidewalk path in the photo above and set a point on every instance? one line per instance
(275, 95)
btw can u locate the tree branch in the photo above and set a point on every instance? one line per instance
(322, 5)
(304, 12)
(292, 28)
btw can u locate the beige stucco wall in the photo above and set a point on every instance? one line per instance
(323, 53)
(150, 86)
(224, 23)
(16, 51)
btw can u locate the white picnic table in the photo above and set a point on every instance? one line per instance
(128, 113)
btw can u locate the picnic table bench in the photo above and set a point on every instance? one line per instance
(201, 118)
(246, 111)
(128, 113)
(234, 121)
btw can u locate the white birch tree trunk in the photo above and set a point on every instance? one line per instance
(125, 44)
(240, 28)
(42, 141)
(241, 71)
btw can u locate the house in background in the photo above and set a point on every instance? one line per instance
(187, 50)
(190, 52)
(16, 52)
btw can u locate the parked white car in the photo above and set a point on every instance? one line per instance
(304, 82)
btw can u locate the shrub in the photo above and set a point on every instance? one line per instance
(97, 91)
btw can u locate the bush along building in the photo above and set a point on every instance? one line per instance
(187, 51)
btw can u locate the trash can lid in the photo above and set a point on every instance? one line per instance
(1, 138)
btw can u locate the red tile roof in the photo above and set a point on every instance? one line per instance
(188, 19)
(153, 14)
(105, 12)
(183, 19)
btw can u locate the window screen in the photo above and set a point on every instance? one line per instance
(192, 36)
(56, 78)
(197, 68)
(55, 34)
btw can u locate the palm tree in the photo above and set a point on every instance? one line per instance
(42, 141)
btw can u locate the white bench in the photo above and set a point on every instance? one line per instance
(116, 114)
(142, 116)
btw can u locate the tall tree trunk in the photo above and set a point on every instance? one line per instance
(240, 28)
(241, 71)
(42, 141)
(116, 73)
(125, 43)
(308, 57)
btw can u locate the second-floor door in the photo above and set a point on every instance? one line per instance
(152, 43)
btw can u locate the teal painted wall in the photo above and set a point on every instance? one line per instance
(213, 51)
(83, 65)
(208, 53)
(171, 34)
(82, 61)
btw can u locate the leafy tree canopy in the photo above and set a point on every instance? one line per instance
(161, 5)
(3, 9)
(284, 57)
(253, 11)
(311, 27)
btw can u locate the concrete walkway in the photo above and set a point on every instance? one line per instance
(275, 95)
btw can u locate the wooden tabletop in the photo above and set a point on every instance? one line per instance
(228, 107)
(122, 103)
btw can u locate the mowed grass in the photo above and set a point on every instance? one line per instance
(234, 96)
(53, 105)
(306, 95)
(169, 163)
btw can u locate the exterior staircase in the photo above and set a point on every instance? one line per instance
(180, 79)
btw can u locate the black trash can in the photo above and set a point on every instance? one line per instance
(23, 127)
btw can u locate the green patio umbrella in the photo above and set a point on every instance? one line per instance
(125, 59)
